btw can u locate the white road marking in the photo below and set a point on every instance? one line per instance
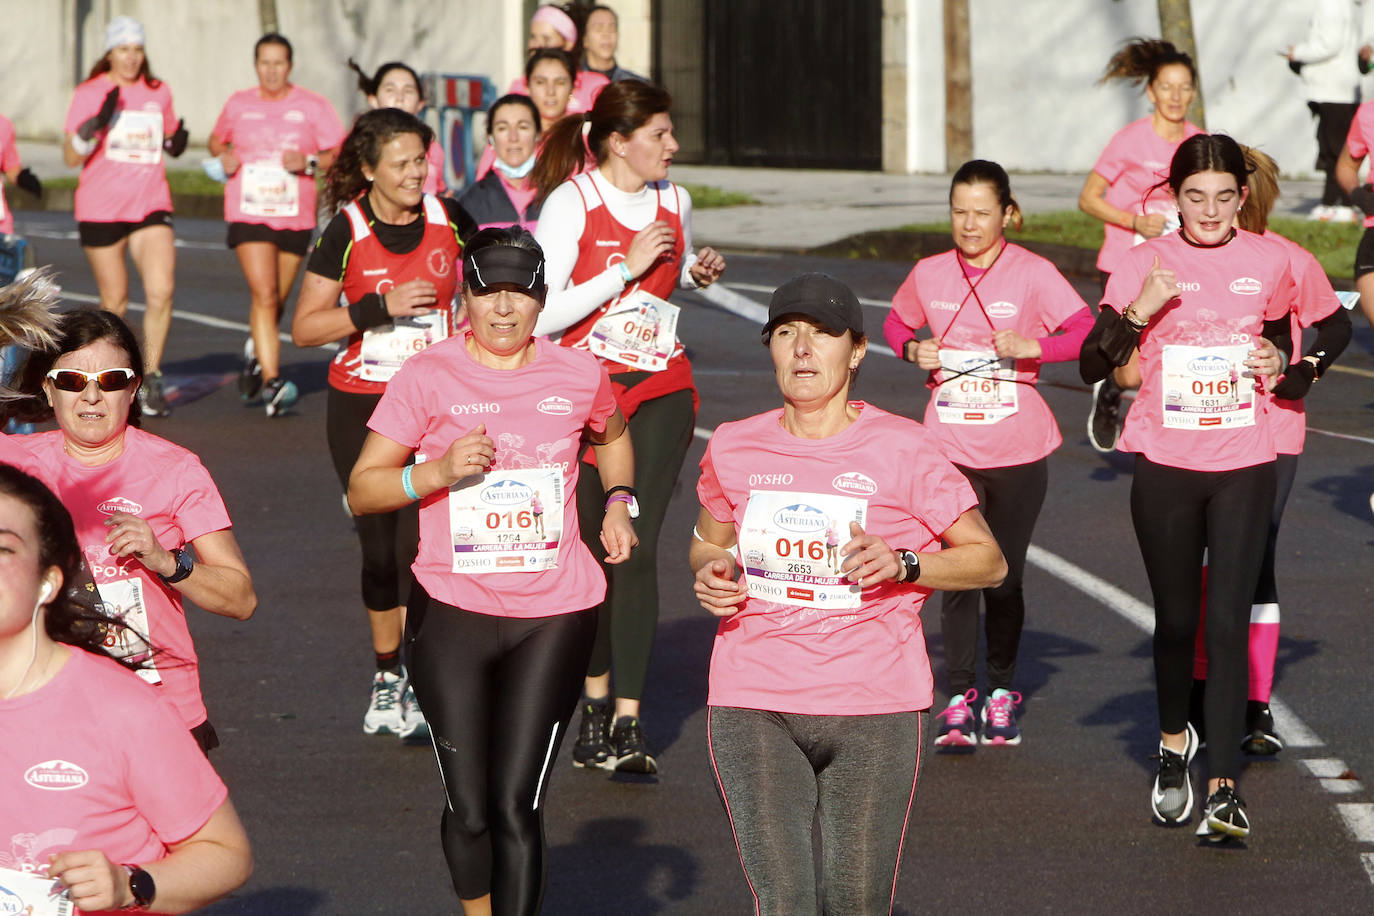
(1325, 767)
(1368, 859)
(1359, 820)
(193, 317)
(71, 235)
(724, 296)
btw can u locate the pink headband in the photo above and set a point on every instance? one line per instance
(562, 23)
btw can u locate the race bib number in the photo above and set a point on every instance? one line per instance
(123, 602)
(790, 544)
(32, 894)
(269, 190)
(978, 388)
(507, 521)
(385, 350)
(1208, 387)
(640, 331)
(135, 136)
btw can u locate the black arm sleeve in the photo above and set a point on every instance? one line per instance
(1108, 345)
(466, 225)
(1279, 332)
(1333, 334)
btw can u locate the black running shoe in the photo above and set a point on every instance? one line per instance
(278, 395)
(631, 753)
(250, 376)
(1104, 415)
(1224, 815)
(1263, 740)
(1171, 797)
(593, 747)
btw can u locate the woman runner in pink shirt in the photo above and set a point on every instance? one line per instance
(553, 27)
(1317, 306)
(397, 85)
(1200, 302)
(272, 139)
(118, 125)
(502, 616)
(819, 683)
(994, 310)
(106, 798)
(1122, 190)
(150, 519)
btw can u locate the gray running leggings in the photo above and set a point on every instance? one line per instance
(779, 772)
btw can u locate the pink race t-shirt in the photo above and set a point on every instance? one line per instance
(1193, 350)
(1316, 300)
(859, 661)
(1134, 161)
(166, 486)
(9, 160)
(434, 176)
(536, 415)
(98, 760)
(123, 178)
(1360, 138)
(1021, 291)
(261, 130)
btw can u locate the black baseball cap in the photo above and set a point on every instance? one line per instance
(487, 264)
(816, 297)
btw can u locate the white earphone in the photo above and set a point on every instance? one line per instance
(46, 591)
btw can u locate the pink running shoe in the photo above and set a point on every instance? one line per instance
(958, 723)
(999, 718)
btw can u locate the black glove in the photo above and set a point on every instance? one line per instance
(1363, 197)
(101, 119)
(28, 181)
(1295, 66)
(175, 145)
(1297, 381)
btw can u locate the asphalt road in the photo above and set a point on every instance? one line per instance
(344, 823)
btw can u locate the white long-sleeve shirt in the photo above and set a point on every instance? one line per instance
(1328, 53)
(559, 233)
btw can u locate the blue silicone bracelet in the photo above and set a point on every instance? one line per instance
(406, 484)
(625, 273)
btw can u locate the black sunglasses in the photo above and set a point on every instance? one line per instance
(77, 380)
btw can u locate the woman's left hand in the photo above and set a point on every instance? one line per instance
(293, 160)
(1265, 360)
(94, 883)
(867, 558)
(618, 534)
(1009, 343)
(708, 268)
(131, 536)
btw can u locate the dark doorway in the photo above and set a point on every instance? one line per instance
(764, 82)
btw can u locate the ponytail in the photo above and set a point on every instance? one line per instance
(1139, 60)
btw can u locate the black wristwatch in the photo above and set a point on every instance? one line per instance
(911, 565)
(185, 563)
(141, 886)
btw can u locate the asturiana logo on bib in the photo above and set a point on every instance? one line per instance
(11, 904)
(554, 405)
(1246, 286)
(1002, 310)
(801, 517)
(56, 775)
(120, 504)
(854, 482)
(507, 492)
(1209, 365)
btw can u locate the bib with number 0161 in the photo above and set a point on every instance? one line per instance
(123, 601)
(640, 331)
(31, 894)
(980, 389)
(507, 521)
(1208, 387)
(790, 544)
(385, 350)
(269, 190)
(135, 136)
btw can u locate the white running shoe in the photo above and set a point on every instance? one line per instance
(414, 729)
(383, 716)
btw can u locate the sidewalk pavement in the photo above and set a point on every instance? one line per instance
(798, 208)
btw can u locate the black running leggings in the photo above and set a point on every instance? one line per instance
(1179, 514)
(390, 539)
(498, 693)
(661, 431)
(1010, 499)
(777, 773)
